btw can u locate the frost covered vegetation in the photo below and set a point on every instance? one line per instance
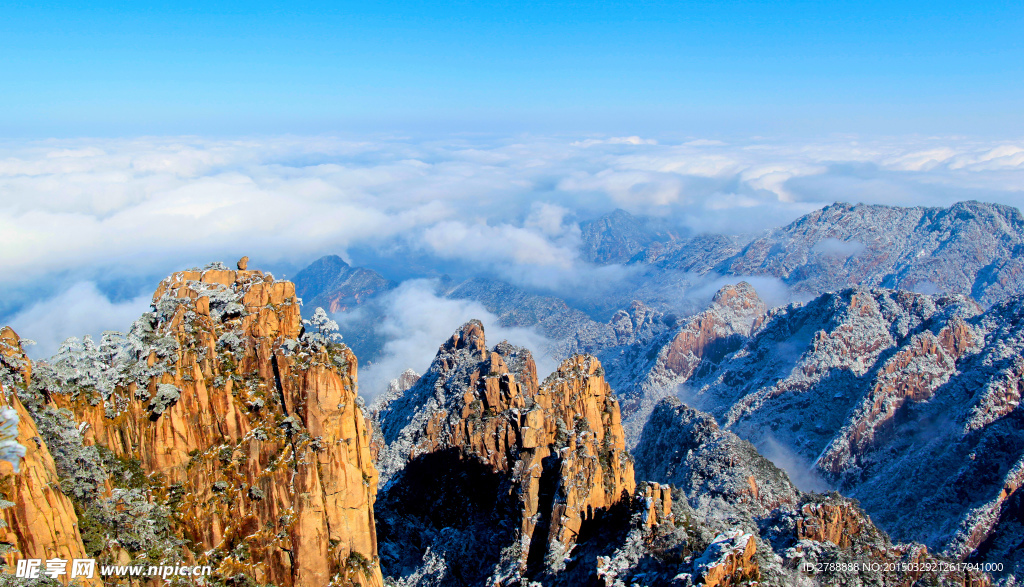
(223, 428)
(467, 497)
(183, 439)
(112, 496)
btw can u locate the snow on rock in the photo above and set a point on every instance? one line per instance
(250, 422)
(883, 393)
(479, 446)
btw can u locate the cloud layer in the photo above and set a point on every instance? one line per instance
(68, 204)
(94, 210)
(417, 322)
(78, 311)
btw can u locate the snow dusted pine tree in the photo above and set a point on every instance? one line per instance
(321, 330)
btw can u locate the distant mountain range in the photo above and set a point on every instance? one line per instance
(970, 248)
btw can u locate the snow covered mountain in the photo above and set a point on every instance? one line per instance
(971, 248)
(883, 394)
(490, 477)
(729, 491)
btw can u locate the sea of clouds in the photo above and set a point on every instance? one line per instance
(77, 213)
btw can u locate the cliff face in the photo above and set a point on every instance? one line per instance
(536, 461)
(884, 393)
(252, 429)
(41, 523)
(744, 520)
(653, 360)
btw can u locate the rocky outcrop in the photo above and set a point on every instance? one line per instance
(721, 475)
(652, 361)
(882, 392)
(831, 539)
(838, 523)
(594, 469)
(728, 561)
(251, 425)
(41, 522)
(733, 314)
(658, 501)
(553, 452)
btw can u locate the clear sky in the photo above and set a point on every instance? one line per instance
(727, 67)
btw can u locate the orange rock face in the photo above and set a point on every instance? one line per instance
(595, 471)
(835, 520)
(729, 561)
(42, 523)
(254, 431)
(658, 499)
(710, 332)
(559, 443)
(823, 522)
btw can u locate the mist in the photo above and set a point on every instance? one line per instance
(417, 322)
(78, 311)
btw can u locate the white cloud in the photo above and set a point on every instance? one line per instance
(485, 243)
(80, 310)
(99, 208)
(633, 140)
(417, 322)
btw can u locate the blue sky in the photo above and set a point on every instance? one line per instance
(671, 68)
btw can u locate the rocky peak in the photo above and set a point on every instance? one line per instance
(470, 337)
(16, 364)
(721, 474)
(331, 283)
(252, 423)
(739, 306)
(653, 366)
(557, 448)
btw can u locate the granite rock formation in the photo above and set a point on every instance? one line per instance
(41, 522)
(881, 393)
(244, 424)
(527, 464)
(739, 518)
(656, 354)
